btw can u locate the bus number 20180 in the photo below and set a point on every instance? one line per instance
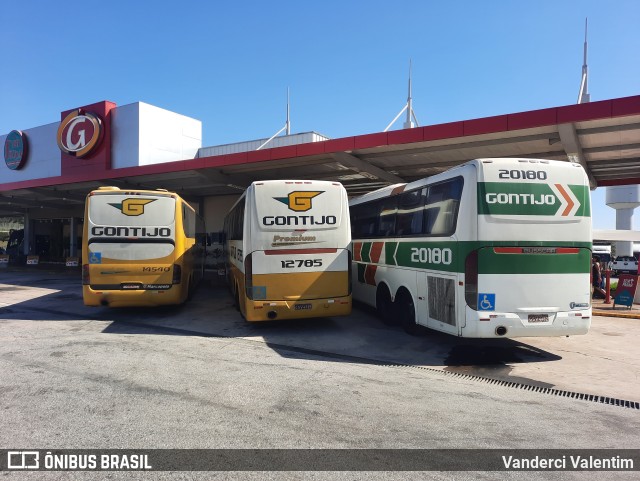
(292, 264)
(523, 174)
(431, 255)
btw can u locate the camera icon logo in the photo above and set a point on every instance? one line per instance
(23, 460)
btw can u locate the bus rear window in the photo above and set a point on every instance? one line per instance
(129, 251)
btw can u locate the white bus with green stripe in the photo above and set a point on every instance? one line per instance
(492, 248)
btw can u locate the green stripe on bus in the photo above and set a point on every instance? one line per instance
(361, 269)
(450, 256)
(520, 198)
(365, 253)
(582, 194)
(389, 251)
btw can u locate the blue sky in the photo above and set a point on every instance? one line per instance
(229, 64)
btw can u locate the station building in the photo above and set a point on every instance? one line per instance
(48, 170)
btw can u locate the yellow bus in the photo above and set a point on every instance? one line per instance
(140, 248)
(286, 246)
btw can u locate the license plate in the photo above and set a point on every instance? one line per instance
(533, 318)
(302, 307)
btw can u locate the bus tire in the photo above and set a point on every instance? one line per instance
(384, 306)
(190, 289)
(406, 313)
(188, 296)
(236, 297)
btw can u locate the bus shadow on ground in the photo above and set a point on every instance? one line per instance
(359, 338)
(486, 358)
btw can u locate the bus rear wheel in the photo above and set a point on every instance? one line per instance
(406, 313)
(190, 289)
(236, 297)
(384, 306)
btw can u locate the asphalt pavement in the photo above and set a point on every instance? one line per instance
(198, 376)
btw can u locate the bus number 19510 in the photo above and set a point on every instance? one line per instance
(431, 255)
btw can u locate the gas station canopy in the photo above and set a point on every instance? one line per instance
(603, 136)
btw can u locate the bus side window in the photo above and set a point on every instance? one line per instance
(236, 221)
(388, 210)
(188, 222)
(430, 217)
(365, 220)
(410, 213)
(441, 207)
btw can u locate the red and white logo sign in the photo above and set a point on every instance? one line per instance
(80, 133)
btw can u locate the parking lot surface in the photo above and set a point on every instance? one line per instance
(198, 376)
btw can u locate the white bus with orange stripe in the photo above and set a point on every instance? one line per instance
(492, 248)
(287, 250)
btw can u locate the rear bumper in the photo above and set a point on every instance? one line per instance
(133, 298)
(570, 323)
(274, 310)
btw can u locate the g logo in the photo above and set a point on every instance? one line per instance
(79, 133)
(299, 201)
(132, 206)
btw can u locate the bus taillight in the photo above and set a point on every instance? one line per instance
(471, 280)
(177, 274)
(248, 276)
(349, 270)
(86, 279)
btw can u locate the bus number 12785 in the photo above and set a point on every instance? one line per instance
(291, 264)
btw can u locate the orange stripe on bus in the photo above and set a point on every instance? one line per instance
(357, 248)
(376, 251)
(566, 196)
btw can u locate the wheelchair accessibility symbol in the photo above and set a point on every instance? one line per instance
(95, 258)
(486, 302)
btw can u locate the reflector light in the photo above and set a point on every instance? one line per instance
(536, 250)
(248, 276)
(177, 274)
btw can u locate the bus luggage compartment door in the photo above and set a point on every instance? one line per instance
(437, 303)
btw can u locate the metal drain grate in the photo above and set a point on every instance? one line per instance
(363, 360)
(526, 387)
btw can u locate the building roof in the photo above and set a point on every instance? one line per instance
(603, 136)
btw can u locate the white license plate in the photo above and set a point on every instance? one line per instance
(302, 307)
(533, 318)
